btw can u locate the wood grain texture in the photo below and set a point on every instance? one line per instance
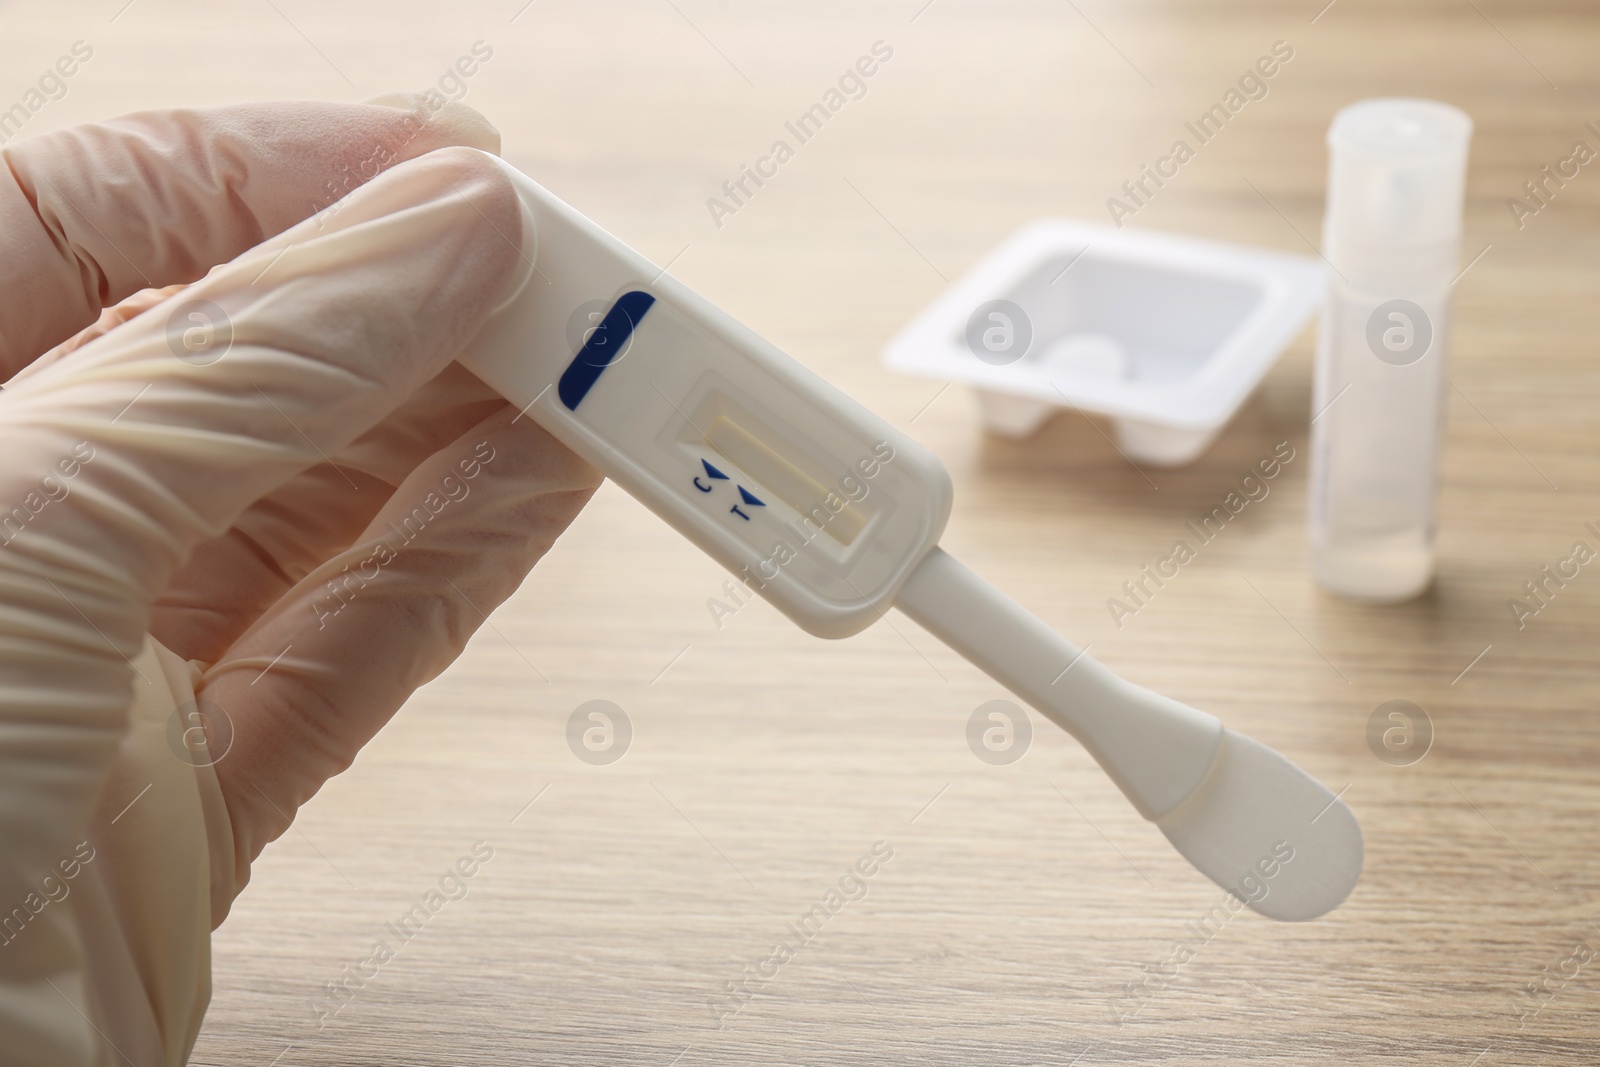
(1021, 902)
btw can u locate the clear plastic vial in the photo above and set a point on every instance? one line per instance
(1392, 235)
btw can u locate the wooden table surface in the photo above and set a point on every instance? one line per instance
(1027, 914)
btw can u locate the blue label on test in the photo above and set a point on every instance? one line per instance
(602, 347)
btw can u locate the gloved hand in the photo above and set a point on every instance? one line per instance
(243, 514)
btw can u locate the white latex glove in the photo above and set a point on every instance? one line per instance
(204, 505)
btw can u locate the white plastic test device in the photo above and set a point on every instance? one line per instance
(834, 516)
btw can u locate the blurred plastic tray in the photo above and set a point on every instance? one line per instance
(1166, 335)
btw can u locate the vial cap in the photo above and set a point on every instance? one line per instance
(1397, 173)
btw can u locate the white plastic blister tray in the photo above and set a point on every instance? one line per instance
(1165, 335)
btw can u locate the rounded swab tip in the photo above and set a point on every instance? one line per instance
(1268, 832)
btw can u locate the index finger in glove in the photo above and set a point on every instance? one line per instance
(123, 456)
(94, 213)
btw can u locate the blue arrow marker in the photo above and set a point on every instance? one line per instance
(712, 471)
(748, 498)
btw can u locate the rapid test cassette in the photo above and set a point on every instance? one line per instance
(834, 516)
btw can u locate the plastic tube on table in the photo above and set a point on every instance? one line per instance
(1392, 234)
